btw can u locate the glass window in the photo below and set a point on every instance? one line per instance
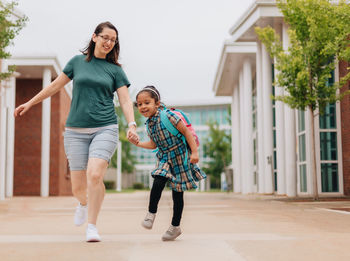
(302, 148)
(329, 120)
(254, 151)
(303, 178)
(273, 117)
(301, 120)
(328, 145)
(204, 117)
(274, 138)
(329, 172)
(274, 160)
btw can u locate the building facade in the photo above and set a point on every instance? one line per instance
(200, 113)
(270, 141)
(32, 158)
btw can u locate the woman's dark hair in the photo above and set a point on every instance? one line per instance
(113, 55)
(152, 91)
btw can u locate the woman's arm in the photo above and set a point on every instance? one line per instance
(190, 140)
(48, 91)
(128, 111)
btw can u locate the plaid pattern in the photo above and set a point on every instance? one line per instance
(171, 155)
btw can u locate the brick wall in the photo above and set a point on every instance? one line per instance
(345, 130)
(28, 143)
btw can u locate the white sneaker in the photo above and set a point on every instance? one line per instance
(148, 221)
(92, 234)
(81, 214)
(172, 233)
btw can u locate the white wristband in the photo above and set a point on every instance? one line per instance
(131, 123)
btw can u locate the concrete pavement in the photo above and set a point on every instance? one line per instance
(216, 226)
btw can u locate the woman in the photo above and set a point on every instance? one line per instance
(91, 134)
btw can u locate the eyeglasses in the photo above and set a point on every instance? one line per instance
(106, 39)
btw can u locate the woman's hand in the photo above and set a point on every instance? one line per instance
(22, 109)
(194, 157)
(132, 135)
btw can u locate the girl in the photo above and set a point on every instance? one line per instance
(171, 165)
(91, 134)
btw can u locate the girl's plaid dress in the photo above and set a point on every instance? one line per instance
(171, 155)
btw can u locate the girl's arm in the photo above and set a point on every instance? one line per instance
(147, 145)
(128, 111)
(48, 91)
(190, 140)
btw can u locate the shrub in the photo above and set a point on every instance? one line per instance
(109, 184)
(138, 186)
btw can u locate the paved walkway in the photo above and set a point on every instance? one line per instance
(216, 226)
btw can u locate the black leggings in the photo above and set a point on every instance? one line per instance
(178, 199)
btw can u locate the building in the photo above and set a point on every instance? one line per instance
(32, 158)
(271, 141)
(200, 113)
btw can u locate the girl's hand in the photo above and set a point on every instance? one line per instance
(22, 109)
(194, 157)
(132, 135)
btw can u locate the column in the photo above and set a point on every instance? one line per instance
(45, 138)
(268, 132)
(290, 136)
(119, 166)
(243, 166)
(3, 129)
(236, 146)
(11, 103)
(280, 132)
(248, 121)
(260, 121)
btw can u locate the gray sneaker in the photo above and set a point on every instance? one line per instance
(172, 233)
(148, 221)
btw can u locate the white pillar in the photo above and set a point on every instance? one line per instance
(3, 129)
(243, 166)
(45, 138)
(280, 132)
(119, 166)
(268, 132)
(290, 136)
(260, 121)
(248, 121)
(11, 103)
(236, 155)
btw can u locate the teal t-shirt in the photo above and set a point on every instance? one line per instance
(94, 84)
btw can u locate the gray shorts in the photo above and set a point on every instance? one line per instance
(79, 147)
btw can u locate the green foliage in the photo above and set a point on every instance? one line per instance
(217, 146)
(109, 184)
(319, 33)
(9, 28)
(138, 186)
(128, 158)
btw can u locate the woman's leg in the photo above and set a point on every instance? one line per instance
(96, 170)
(79, 185)
(156, 192)
(178, 199)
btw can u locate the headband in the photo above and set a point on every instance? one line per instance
(149, 89)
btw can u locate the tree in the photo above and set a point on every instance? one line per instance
(319, 37)
(217, 146)
(9, 28)
(128, 159)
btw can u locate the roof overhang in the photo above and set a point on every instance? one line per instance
(232, 57)
(260, 13)
(32, 67)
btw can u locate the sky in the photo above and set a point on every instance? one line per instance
(174, 45)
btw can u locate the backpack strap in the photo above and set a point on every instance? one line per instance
(172, 129)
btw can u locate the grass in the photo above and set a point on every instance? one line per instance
(128, 190)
